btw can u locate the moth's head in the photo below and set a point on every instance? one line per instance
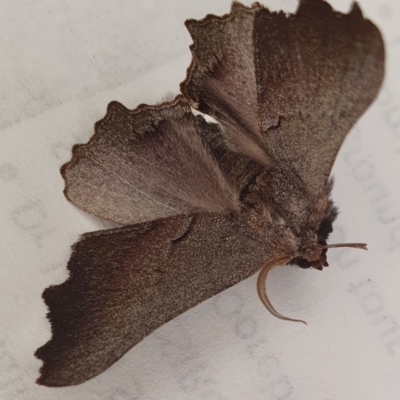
(312, 255)
(312, 249)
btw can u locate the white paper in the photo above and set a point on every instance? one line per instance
(61, 63)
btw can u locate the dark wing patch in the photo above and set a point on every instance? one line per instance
(317, 72)
(124, 283)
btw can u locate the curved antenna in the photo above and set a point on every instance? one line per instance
(262, 294)
(362, 246)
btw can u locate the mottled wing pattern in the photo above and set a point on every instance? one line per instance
(126, 282)
(298, 82)
(149, 163)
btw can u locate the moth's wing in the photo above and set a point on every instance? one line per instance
(221, 80)
(299, 81)
(124, 283)
(238, 168)
(148, 163)
(317, 72)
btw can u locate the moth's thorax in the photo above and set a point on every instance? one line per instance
(296, 220)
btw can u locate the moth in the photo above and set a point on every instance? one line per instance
(206, 205)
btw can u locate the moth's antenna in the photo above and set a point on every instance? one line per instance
(362, 246)
(262, 294)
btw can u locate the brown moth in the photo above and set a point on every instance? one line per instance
(207, 205)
